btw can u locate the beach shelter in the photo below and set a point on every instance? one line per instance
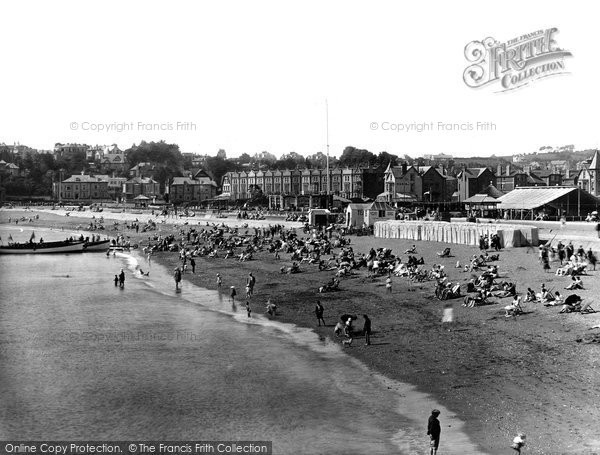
(320, 217)
(355, 214)
(141, 201)
(379, 211)
(549, 202)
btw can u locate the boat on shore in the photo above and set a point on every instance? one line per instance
(63, 246)
(98, 245)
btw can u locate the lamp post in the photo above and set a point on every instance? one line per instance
(60, 179)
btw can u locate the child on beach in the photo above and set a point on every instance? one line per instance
(177, 277)
(388, 285)
(433, 431)
(248, 310)
(116, 280)
(518, 442)
(319, 313)
(219, 280)
(271, 308)
(232, 294)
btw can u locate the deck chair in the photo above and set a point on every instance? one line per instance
(587, 308)
(445, 253)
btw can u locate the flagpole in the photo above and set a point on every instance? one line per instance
(327, 140)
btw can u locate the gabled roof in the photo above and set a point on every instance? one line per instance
(425, 169)
(533, 179)
(397, 172)
(595, 164)
(473, 172)
(380, 206)
(200, 173)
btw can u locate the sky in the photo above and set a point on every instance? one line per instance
(262, 75)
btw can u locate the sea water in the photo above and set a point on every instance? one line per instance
(83, 359)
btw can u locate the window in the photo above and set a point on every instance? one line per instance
(360, 212)
(381, 214)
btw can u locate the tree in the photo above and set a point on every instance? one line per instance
(217, 167)
(352, 156)
(245, 158)
(384, 158)
(221, 154)
(166, 158)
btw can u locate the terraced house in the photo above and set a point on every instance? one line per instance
(345, 182)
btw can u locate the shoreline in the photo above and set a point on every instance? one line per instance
(411, 398)
(499, 376)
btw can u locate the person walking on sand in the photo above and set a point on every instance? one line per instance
(319, 313)
(177, 277)
(367, 330)
(433, 431)
(219, 281)
(122, 279)
(116, 280)
(193, 264)
(232, 294)
(250, 282)
(388, 285)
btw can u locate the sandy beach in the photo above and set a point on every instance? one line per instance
(536, 373)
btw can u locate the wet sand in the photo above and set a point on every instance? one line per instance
(536, 373)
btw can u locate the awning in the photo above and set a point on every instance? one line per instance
(528, 198)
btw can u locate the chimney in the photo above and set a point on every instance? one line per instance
(508, 169)
(404, 168)
(499, 170)
(567, 173)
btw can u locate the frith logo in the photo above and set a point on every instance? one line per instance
(514, 63)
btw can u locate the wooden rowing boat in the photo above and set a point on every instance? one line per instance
(63, 246)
